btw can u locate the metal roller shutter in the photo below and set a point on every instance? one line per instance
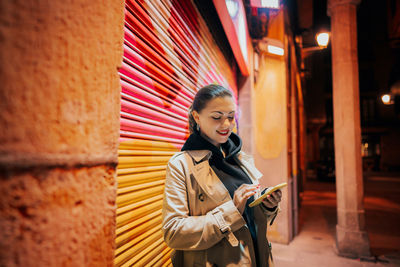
(168, 54)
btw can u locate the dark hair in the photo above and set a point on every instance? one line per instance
(202, 97)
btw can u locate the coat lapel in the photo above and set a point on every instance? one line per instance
(206, 178)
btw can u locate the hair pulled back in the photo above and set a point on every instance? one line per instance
(202, 97)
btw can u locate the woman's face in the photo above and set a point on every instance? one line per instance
(217, 119)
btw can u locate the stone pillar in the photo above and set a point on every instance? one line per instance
(245, 89)
(245, 115)
(351, 237)
(59, 130)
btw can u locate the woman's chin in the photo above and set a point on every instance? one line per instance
(223, 139)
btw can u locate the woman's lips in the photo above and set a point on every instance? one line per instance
(224, 133)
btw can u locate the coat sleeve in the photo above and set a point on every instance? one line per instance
(184, 232)
(270, 214)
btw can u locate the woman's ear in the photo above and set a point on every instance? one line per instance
(196, 116)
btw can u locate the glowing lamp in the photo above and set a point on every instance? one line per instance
(386, 99)
(322, 39)
(265, 3)
(272, 49)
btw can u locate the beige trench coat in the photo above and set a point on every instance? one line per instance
(200, 220)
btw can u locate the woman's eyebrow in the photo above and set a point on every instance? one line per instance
(222, 113)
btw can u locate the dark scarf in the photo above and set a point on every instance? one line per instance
(227, 165)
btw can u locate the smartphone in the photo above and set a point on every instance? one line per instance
(267, 192)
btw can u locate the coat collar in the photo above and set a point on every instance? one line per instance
(206, 177)
(246, 161)
(199, 155)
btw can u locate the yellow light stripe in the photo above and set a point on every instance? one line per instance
(127, 199)
(158, 257)
(146, 224)
(140, 169)
(120, 230)
(147, 144)
(138, 212)
(167, 263)
(140, 164)
(127, 189)
(145, 153)
(137, 196)
(122, 209)
(134, 259)
(144, 160)
(131, 248)
(165, 259)
(132, 179)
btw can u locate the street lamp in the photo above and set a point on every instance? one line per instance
(322, 40)
(387, 99)
(393, 94)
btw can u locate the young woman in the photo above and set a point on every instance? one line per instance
(209, 184)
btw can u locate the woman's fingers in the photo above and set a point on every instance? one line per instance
(273, 200)
(244, 192)
(247, 190)
(248, 187)
(278, 193)
(248, 194)
(276, 196)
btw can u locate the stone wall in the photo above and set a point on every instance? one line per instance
(59, 129)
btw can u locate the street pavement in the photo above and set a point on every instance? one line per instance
(314, 246)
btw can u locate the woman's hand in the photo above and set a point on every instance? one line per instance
(242, 194)
(271, 201)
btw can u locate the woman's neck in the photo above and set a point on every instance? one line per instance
(218, 145)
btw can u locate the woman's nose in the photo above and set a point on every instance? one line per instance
(226, 122)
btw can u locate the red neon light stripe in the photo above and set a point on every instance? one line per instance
(154, 122)
(177, 146)
(153, 56)
(164, 109)
(137, 75)
(134, 57)
(145, 34)
(140, 110)
(150, 137)
(151, 52)
(150, 90)
(140, 127)
(150, 98)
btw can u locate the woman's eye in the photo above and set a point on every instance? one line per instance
(231, 118)
(216, 118)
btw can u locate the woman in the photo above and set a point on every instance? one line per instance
(209, 184)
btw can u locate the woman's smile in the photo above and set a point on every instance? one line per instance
(224, 132)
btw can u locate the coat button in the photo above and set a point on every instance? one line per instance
(201, 197)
